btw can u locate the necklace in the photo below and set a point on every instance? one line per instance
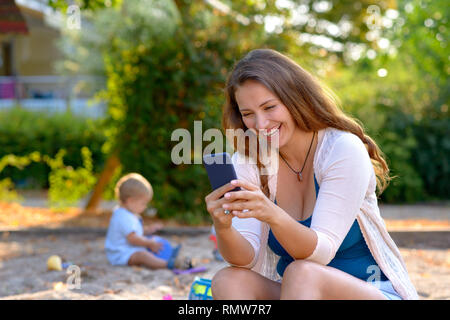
(299, 173)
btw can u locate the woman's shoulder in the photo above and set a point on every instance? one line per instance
(342, 153)
(340, 141)
(340, 145)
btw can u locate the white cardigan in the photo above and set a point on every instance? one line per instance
(347, 183)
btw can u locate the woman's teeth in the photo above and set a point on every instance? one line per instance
(271, 132)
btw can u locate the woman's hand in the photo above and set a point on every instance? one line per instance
(214, 204)
(251, 202)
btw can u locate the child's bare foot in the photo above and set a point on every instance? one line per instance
(178, 260)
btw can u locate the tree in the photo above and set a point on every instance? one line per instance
(166, 62)
(401, 94)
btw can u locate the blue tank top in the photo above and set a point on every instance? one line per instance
(353, 256)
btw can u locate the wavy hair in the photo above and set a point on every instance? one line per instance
(312, 105)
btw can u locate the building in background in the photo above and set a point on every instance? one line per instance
(29, 30)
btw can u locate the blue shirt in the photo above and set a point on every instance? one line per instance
(122, 223)
(353, 256)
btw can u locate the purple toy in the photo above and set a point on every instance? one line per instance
(191, 270)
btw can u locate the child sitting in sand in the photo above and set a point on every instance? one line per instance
(126, 242)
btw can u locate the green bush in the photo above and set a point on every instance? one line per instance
(68, 184)
(431, 156)
(407, 110)
(398, 143)
(417, 152)
(23, 132)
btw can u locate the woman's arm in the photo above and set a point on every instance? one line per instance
(254, 206)
(290, 234)
(346, 175)
(234, 248)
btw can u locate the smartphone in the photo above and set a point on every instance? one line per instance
(220, 169)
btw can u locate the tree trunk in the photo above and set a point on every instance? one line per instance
(111, 165)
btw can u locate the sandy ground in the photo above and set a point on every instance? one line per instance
(24, 274)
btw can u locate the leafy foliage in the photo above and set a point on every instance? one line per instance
(406, 111)
(23, 132)
(165, 64)
(67, 185)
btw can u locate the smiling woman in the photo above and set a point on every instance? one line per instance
(311, 229)
(296, 96)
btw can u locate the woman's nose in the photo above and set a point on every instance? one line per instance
(261, 123)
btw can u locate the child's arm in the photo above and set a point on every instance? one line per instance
(139, 241)
(153, 228)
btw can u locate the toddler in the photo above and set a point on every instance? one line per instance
(126, 243)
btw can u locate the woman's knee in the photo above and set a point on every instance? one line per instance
(226, 281)
(302, 273)
(233, 283)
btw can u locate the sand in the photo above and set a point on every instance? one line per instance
(24, 274)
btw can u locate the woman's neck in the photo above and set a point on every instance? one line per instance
(296, 150)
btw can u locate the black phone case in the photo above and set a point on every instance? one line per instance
(221, 171)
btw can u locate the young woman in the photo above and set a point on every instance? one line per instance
(311, 230)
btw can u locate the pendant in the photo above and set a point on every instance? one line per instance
(300, 177)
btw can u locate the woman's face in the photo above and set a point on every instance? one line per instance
(262, 110)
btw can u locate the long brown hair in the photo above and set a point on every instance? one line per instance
(312, 105)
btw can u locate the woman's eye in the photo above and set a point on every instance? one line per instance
(270, 107)
(246, 114)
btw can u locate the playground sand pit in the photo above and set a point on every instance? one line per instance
(79, 239)
(24, 274)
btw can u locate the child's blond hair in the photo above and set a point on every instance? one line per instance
(132, 185)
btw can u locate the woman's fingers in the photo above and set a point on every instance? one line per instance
(219, 207)
(238, 205)
(220, 217)
(239, 195)
(212, 205)
(244, 184)
(243, 214)
(216, 194)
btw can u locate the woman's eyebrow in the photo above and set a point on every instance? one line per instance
(267, 101)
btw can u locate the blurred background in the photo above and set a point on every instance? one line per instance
(93, 89)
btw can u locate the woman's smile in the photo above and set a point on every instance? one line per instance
(271, 132)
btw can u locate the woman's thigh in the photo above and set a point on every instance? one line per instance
(310, 280)
(233, 283)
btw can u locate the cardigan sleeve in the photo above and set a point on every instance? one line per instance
(249, 228)
(346, 174)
